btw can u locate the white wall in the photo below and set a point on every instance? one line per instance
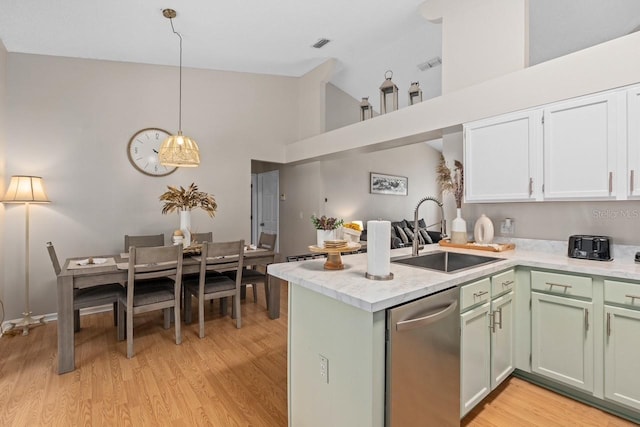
(69, 120)
(341, 108)
(481, 40)
(3, 125)
(344, 182)
(311, 90)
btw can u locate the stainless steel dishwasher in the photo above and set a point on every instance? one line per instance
(423, 362)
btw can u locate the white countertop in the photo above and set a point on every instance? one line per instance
(351, 287)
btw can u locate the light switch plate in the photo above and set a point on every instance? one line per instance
(324, 368)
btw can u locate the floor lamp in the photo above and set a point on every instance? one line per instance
(27, 190)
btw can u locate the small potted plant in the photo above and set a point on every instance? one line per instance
(325, 228)
(183, 201)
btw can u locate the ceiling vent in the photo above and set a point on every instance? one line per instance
(431, 63)
(320, 43)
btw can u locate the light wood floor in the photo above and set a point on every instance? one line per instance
(230, 378)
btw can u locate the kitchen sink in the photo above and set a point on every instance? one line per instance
(446, 262)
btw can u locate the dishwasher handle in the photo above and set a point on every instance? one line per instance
(426, 320)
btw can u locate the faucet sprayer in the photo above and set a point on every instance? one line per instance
(416, 231)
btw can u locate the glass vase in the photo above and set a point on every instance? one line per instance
(459, 229)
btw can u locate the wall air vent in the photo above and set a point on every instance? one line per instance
(320, 43)
(431, 63)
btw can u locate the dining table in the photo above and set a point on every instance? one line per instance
(76, 274)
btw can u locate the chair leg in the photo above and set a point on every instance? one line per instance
(187, 307)
(178, 325)
(254, 287)
(76, 320)
(223, 306)
(167, 317)
(121, 322)
(129, 322)
(201, 317)
(236, 306)
(243, 292)
(115, 313)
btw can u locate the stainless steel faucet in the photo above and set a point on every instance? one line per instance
(443, 223)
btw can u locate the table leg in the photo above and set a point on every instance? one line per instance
(274, 297)
(66, 339)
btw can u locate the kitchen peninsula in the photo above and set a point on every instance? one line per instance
(340, 316)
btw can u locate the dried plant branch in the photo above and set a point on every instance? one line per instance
(186, 199)
(443, 176)
(451, 182)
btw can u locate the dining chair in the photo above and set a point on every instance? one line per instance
(201, 237)
(90, 297)
(251, 275)
(215, 257)
(143, 241)
(153, 283)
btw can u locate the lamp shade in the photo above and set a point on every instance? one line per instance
(179, 150)
(25, 189)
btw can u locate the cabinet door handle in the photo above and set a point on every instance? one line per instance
(507, 283)
(586, 319)
(479, 294)
(610, 182)
(608, 324)
(633, 298)
(492, 321)
(631, 181)
(495, 322)
(551, 285)
(530, 186)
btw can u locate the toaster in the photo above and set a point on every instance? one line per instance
(590, 247)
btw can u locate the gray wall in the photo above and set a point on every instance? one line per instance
(69, 120)
(344, 183)
(559, 220)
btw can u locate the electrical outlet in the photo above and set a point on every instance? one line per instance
(507, 227)
(324, 368)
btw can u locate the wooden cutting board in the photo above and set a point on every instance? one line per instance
(494, 247)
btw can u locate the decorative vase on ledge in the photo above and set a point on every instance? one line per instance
(323, 235)
(459, 229)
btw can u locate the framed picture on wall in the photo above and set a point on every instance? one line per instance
(388, 184)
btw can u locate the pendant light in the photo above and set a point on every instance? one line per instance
(178, 150)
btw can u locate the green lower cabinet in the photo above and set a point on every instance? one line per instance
(562, 339)
(622, 356)
(475, 357)
(486, 337)
(502, 338)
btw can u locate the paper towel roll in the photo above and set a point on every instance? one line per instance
(378, 248)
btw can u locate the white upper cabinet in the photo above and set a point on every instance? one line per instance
(501, 158)
(580, 148)
(585, 148)
(633, 142)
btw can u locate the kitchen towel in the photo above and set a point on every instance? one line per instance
(378, 248)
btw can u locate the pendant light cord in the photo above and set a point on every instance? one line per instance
(180, 85)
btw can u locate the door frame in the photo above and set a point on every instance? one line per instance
(256, 206)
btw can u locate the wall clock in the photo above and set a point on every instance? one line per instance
(143, 150)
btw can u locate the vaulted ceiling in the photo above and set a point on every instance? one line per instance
(367, 37)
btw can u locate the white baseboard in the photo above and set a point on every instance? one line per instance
(52, 317)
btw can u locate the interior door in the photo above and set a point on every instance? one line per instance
(268, 207)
